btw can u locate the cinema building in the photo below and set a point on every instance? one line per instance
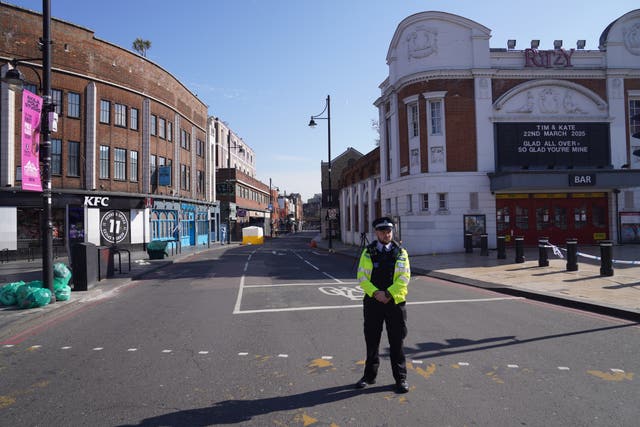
(131, 157)
(533, 141)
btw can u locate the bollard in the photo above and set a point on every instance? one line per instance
(468, 243)
(572, 254)
(519, 250)
(502, 253)
(606, 258)
(543, 258)
(484, 244)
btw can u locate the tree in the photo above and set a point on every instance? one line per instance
(141, 46)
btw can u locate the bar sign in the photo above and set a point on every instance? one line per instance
(582, 179)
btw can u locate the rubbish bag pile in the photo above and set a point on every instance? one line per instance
(32, 294)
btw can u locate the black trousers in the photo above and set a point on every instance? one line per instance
(395, 319)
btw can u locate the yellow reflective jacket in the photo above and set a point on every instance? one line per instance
(401, 275)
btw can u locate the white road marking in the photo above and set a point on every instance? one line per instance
(132, 349)
(327, 357)
(417, 362)
(283, 355)
(463, 363)
(512, 366)
(563, 368)
(7, 346)
(243, 353)
(167, 351)
(66, 347)
(277, 285)
(333, 307)
(203, 352)
(617, 370)
(236, 309)
(331, 277)
(98, 348)
(313, 266)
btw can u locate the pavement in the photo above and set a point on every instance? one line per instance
(586, 289)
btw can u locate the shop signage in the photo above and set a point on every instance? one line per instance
(95, 201)
(582, 179)
(114, 226)
(558, 58)
(551, 145)
(31, 112)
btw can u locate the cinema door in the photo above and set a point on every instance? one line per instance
(558, 216)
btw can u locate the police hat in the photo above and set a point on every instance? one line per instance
(381, 223)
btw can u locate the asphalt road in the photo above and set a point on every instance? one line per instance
(271, 335)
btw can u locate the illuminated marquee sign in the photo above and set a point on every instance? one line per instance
(553, 144)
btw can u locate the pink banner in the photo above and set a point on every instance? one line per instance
(31, 116)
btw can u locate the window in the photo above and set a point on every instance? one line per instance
(161, 161)
(133, 166)
(56, 98)
(185, 139)
(73, 158)
(104, 162)
(31, 88)
(387, 205)
(133, 118)
(436, 117)
(442, 201)
(169, 131)
(200, 182)
(73, 105)
(425, 202)
(409, 202)
(120, 115)
(199, 148)
(634, 128)
(105, 108)
(56, 156)
(185, 177)
(119, 164)
(162, 130)
(414, 121)
(153, 125)
(153, 169)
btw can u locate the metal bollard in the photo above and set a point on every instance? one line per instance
(519, 250)
(502, 253)
(572, 254)
(468, 243)
(484, 244)
(543, 258)
(606, 258)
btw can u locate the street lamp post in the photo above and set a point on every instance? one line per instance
(312, 123)
(15, 78)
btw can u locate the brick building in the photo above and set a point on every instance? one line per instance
(131, 151)
(526, 142)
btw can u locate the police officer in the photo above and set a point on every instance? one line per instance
(383, 274)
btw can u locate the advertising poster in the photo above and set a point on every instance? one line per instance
(630, 227)
(31, 114)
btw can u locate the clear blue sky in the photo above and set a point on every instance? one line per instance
(265, 66)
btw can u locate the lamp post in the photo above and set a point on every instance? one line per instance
(312, 124)
(14, 78)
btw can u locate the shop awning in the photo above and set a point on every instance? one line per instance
(564, 180)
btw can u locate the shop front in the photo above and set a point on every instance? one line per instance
(557, 216)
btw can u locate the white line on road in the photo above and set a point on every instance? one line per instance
(243, 353)
(283, 355)
(313, 266)
(276, 285)
(333, 307)
(513, 366)
(563, 368)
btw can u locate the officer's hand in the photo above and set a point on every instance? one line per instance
(380, 296)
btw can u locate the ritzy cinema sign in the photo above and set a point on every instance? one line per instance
(557, 58)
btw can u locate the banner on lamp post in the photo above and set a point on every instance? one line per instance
(31, 116)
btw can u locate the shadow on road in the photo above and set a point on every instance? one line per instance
(236, 411)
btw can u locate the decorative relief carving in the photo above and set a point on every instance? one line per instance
(632, 38)
(422, 42)
(437, 154)
(617, 89)
(550, 100)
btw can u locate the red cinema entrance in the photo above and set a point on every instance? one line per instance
(558, 216)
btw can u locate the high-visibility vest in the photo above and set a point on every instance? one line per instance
(401, 275)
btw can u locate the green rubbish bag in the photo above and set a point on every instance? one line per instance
(36, 297)
(60, 270)
(63, 293)
(8, 293)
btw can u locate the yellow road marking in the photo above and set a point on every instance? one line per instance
(612, 376)
(425, 373)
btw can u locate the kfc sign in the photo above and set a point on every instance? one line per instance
(96, 201)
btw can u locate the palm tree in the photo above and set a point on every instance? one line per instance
(141, 46)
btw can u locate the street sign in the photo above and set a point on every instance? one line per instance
(332, 213)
